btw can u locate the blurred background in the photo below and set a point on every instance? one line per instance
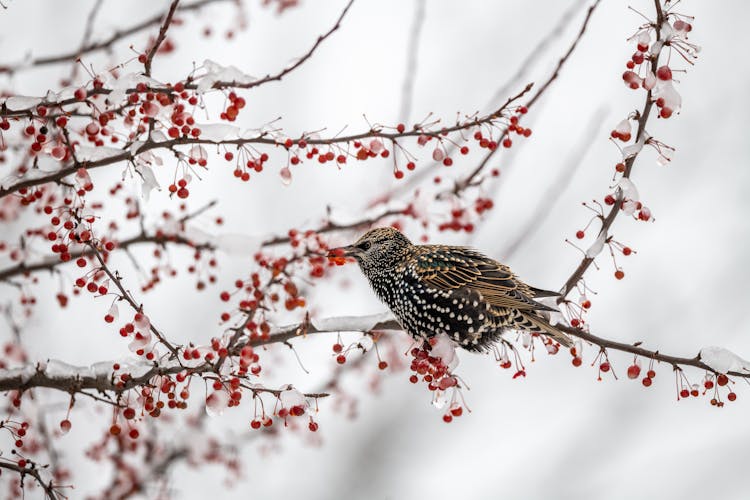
(558, 433)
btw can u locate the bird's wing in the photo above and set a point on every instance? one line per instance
(458, 268)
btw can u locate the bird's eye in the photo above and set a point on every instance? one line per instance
(365, 245)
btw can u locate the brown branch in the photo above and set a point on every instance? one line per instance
(675, 361)
(49, 488)
(330, 226)
(50, 263)
(640, 135)
(281, 74)
(4, 112)
(160, 37)
(262, 139)
(104, 44)
(162, 239)
(499, 94)
(80, 379)
(469, 180)
(124, 294)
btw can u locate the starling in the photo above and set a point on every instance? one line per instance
(452, 290)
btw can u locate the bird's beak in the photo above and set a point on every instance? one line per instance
(347, 251)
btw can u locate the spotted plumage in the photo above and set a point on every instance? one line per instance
(434, 289)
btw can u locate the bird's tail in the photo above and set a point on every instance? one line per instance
(546, 329)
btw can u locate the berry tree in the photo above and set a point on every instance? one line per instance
(112, 192)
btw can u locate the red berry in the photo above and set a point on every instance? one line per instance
(664, 73)
(633, 371)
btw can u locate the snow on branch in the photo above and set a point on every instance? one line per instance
(103, 377)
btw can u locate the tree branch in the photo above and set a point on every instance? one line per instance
(106, 44)
(160, 37)
(262, 139)
(640, 135)
(101, 377)
(49, 488)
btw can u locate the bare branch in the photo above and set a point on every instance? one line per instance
(115, 278)
(160, 37)
(50, 489)
(105, 44)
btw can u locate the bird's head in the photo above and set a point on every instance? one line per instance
(378, 249)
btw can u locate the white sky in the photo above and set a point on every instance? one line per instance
(557, 434)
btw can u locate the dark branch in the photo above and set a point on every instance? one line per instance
(160, 37)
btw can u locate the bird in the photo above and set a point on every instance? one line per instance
(451, 290)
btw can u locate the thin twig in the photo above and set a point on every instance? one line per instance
(105, 44)
(160, 37)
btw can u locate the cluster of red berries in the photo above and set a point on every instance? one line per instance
(431, 370)
(236, 103)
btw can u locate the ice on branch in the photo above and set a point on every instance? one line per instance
(238, 244)
(230, 243)
(215, 72)
(149, 181)
(20, 102)
(217, 402)
(597, 246)
(89, 153)
(723, 360)
(218, 132)
(630, 195)
(634, 149)
(120, 85)
(445, 349)
(352, 323)
(291, 398)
